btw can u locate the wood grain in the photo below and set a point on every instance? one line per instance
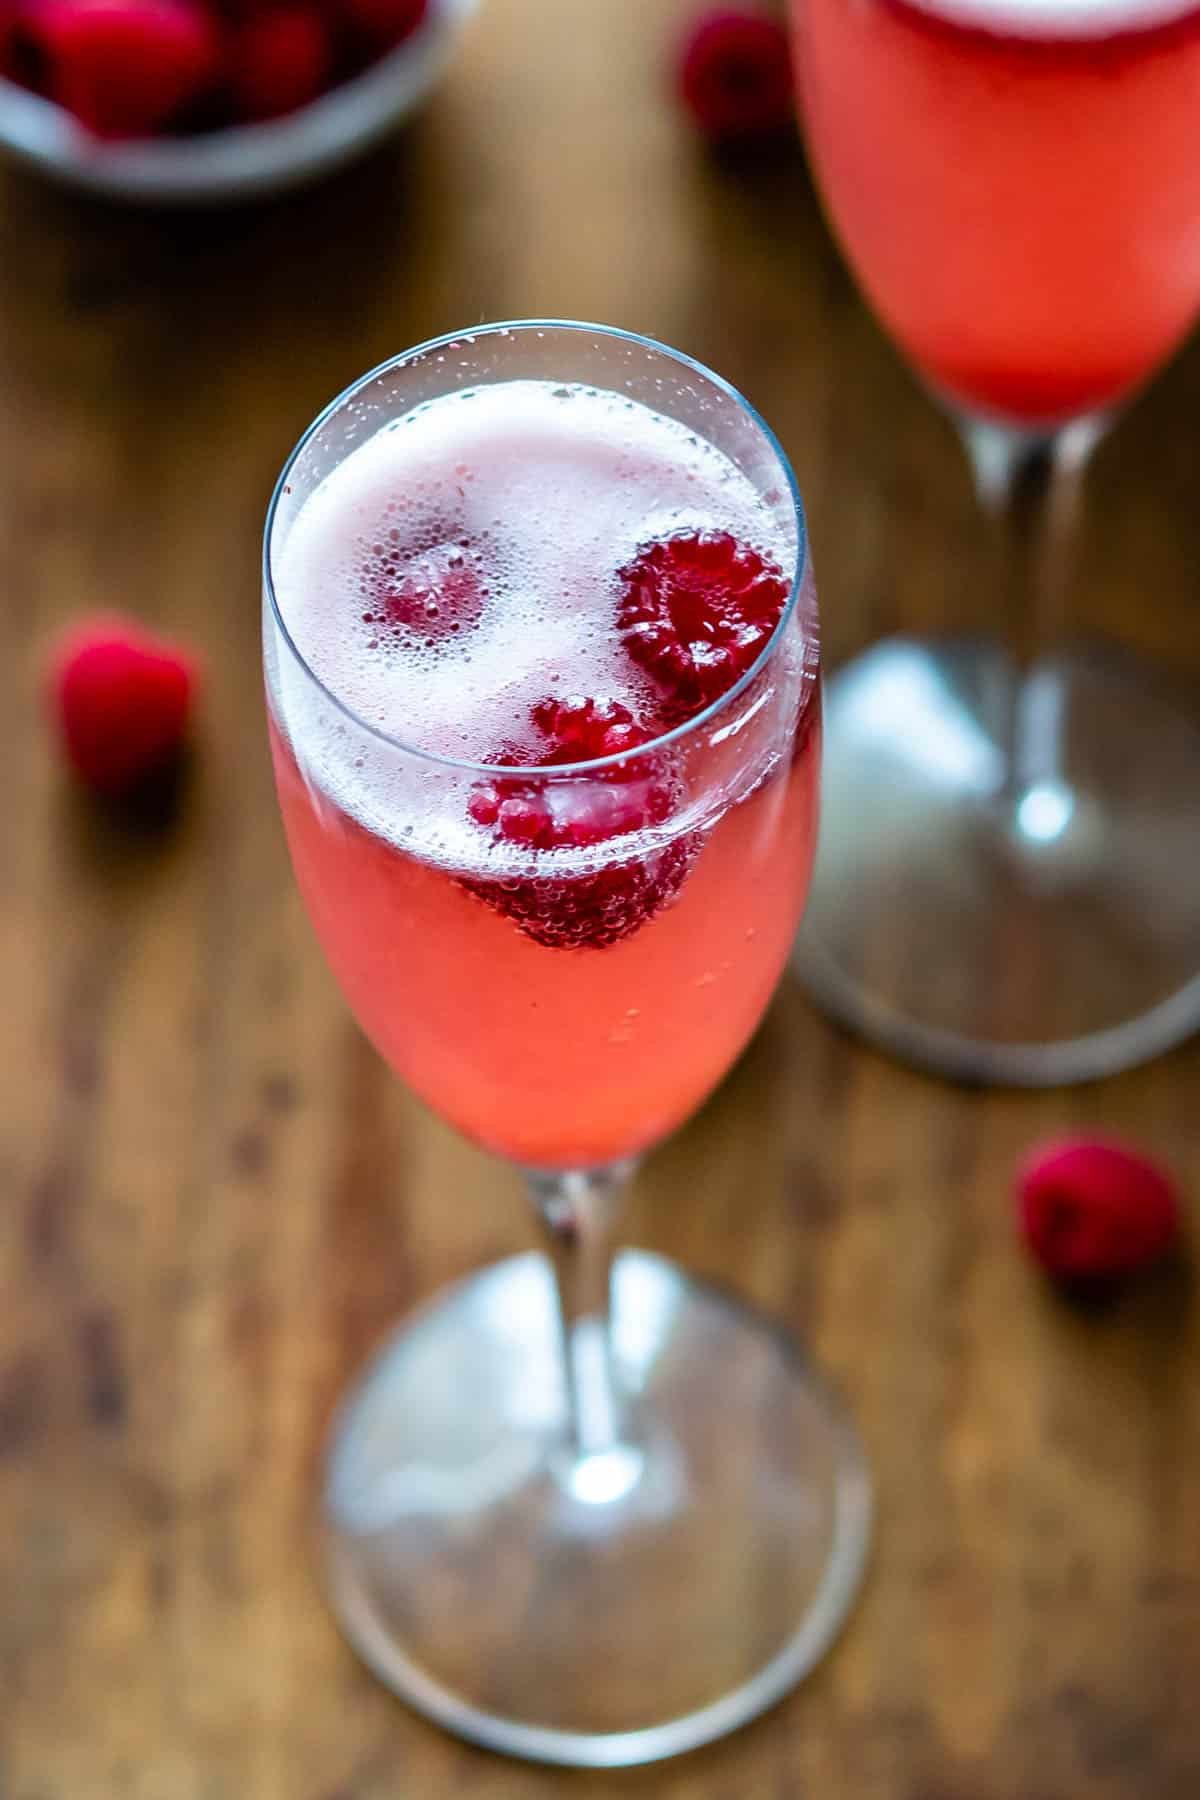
(212, 1197)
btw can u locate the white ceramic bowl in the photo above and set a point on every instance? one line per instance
(245, 160)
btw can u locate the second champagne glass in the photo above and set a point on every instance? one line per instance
(1006, 885)
(541, 655)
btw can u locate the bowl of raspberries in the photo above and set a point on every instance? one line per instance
(177, 101)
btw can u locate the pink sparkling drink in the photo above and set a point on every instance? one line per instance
(562, 964)
(1017, 186)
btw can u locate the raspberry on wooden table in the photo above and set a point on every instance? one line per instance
(1093, 1210)
(121, 698)
(735, 75)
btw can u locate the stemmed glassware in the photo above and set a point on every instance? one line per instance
(573, 1541)
(1006, 887)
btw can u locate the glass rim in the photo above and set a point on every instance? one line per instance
(623, 758)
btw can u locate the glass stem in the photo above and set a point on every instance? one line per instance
(1029, 485)
(577, 1210)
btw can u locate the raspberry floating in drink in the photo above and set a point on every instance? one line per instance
(697, 610)
(525, 809)
(437, 595)
(583, 730)
(589, 906)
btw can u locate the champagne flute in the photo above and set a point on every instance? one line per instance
(1006, 884)
(574, 1542)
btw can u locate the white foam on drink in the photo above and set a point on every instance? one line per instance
(1057, 19)
(546, 491)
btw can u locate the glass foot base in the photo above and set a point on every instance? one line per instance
(1050, 938)
(617, 1610)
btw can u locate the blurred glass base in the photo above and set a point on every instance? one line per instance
(610, 1611)
(1031, 931)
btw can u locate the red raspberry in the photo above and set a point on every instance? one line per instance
(385, 23)
(124, 68)
(524, 810)
(595, 907)
(278, 62)
(587, 730)
(438, 595)
(591, 911)
(121, 698)
(735, 76)
(10, 57)
(434, 596)
(1093, 1210)
(616, 801)
(696, 609)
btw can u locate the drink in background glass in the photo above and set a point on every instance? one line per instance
(1016, 183)
(1017, 187)
(541, 666)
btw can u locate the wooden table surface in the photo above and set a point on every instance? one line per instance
(214, 1198)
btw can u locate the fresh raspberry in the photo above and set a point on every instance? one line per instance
(584, 730)
(591, 911)
(735, 76)
(121, 699)
(526, 810)
(588, 908)
(385, 23)
(124, 68)
(696, 609)
(1093, 1210)
(10, 58)
(278, 62)
(438, 595)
